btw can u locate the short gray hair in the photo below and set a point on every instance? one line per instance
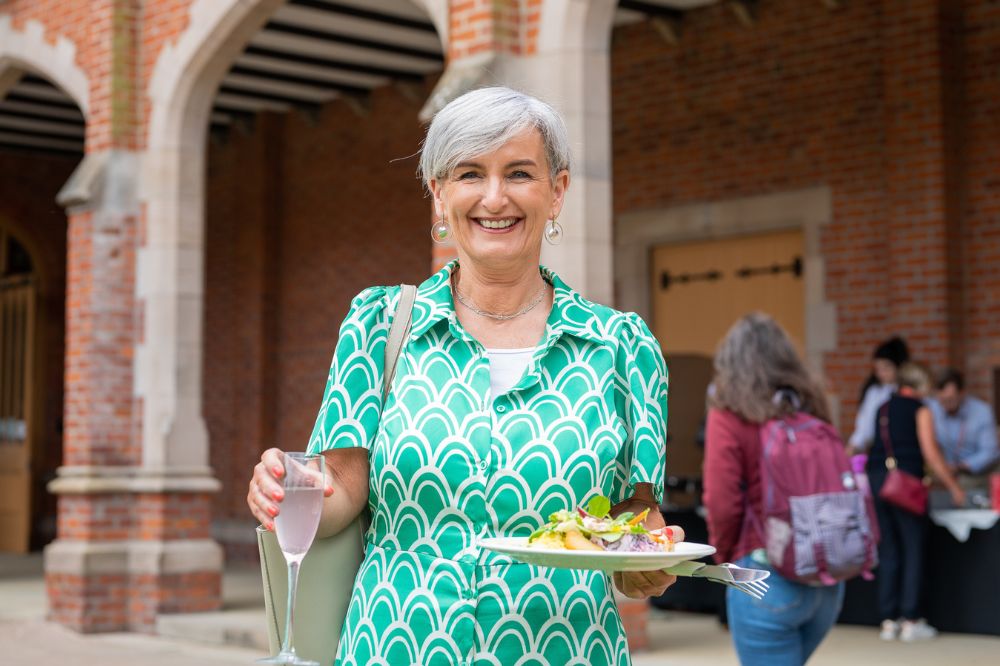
(481, 121)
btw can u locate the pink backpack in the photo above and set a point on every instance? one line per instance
(818, 526)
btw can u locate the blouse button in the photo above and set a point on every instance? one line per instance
(483, 465)
(501, 409)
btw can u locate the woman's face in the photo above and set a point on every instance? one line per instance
(885, 371)
(497, 204)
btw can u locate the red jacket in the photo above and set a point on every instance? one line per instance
(731, 478)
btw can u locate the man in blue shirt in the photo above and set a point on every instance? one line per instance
(965, 426)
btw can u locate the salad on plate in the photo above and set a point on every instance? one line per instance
(593, 528)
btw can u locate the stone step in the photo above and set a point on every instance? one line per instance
(244, 627)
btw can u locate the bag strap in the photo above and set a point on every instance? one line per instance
(398, 332)
(883, 422)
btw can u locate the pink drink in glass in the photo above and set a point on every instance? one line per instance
(297, 521)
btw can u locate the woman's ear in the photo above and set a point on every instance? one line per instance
(437, 193)
(559, 186)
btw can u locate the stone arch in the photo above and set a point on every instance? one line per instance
(571, 70)
(170, 265)
(28, 50)
(439, 12)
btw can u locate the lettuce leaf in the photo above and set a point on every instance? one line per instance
(599, 506)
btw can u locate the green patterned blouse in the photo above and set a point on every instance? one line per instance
(450, 466)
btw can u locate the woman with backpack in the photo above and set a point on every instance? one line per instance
(908, 425)
(760, 377)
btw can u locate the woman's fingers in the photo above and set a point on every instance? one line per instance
(272, 460)
(262, 515)
(263, 509)
(676, 533)
(266, 483)
(265, 492)
(643, 584)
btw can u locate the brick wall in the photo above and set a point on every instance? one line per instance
(981, 195)
(503, 26)
(28, 188)
(847, 99)
(100, 337)
(302, 215)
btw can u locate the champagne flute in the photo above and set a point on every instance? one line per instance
(295, 525)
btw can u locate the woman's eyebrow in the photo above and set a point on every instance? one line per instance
(477, 165)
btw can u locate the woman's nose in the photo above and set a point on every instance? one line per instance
(495, 196)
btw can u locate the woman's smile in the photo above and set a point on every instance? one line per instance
(497, 225)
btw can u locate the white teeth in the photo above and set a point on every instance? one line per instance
(498, 224)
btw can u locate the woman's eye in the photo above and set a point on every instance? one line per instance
(468, 175)
(520, 174)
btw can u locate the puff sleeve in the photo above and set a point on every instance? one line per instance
(642, 372)
(352, 401)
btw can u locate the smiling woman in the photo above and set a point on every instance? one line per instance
(513, 398)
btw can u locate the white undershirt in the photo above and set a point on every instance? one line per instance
(507, 366)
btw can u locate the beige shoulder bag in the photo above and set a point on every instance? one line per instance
(326, 577)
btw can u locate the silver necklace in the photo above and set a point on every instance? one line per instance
(499, 315)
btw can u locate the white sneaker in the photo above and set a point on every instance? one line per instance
(916, 630)
(890, 630)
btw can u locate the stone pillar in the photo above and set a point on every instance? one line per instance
(569, 66)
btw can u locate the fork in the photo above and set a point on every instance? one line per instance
(748, 581)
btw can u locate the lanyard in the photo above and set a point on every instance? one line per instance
(960, 444)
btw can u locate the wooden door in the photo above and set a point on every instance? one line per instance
(17, 316)
(699, 290)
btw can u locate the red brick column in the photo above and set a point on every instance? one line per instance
(132, 531)
(132, 541)
(922, 258)
(98, 411)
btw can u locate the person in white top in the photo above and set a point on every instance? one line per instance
(879, 387)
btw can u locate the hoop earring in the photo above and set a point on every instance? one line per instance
(553, 232)
(440, 231)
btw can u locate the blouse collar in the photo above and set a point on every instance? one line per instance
(571, 313)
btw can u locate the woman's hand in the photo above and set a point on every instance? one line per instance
(644, 584)
(958, 497)
(266, 493)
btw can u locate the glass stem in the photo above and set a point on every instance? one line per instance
(293, 581)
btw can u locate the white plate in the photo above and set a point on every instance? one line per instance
(517, 547)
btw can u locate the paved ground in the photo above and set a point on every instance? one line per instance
(686, 639)
(236, 635)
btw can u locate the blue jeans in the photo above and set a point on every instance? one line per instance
(787, 626)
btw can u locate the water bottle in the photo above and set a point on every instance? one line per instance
(858, 463)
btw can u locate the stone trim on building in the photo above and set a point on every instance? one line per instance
(809, 210)
(54, 58)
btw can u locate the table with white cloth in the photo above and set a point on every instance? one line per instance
(962, 570)
(961, 522)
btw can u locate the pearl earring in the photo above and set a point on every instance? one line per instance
(553, 232)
